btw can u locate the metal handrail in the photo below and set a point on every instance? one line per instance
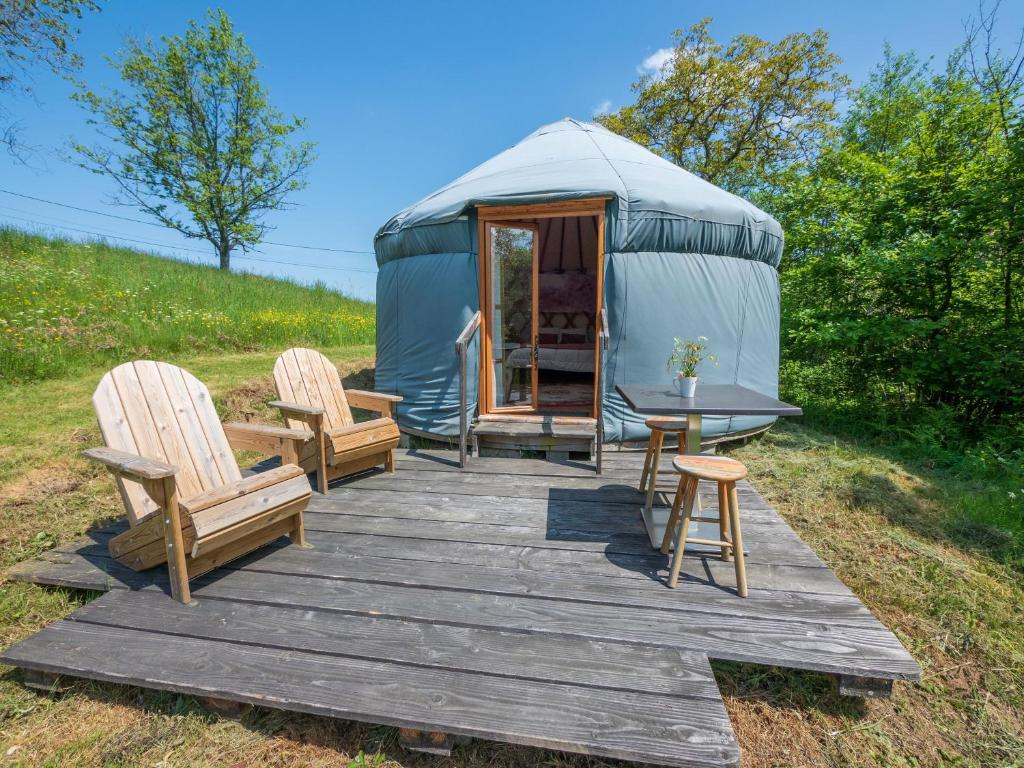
(461, 349)
(603, 337)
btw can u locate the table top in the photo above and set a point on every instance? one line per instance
(709, 400)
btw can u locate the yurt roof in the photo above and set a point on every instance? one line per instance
(655, 204)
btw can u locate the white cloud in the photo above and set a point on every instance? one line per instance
(603, 108)
(657, 62)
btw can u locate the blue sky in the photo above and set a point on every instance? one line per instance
(401, 97)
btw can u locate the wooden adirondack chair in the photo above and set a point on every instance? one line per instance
(187, 502)
(312, 396)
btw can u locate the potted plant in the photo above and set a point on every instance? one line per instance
(686, 356)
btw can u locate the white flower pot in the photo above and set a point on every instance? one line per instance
(687, 385)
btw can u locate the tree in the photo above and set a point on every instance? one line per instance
(732, 114)
(194, 142)
(1000, 78)
(34, 32)
(897, 243)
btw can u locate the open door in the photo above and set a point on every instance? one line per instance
(512, 315)
(541, 274)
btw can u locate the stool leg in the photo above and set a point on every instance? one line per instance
(723, 519)
(737, 541)
(684, 530)
(657, 437)
(647, 464)
(673, 518)
(681, 450)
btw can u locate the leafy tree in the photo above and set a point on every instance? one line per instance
(734, 113)
(1000, 79)
(195, 142)
(34, 32)
(898, 239)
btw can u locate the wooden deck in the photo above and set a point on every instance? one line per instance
(517, 600)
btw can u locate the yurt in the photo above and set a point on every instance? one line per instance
(571, 227)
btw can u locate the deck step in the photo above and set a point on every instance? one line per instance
(536, 429)
(613, 700)
(534, 418)
(552, 434)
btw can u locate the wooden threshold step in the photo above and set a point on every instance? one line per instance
(546, 428)
(671, 715)
(558, 436)
(536, 418)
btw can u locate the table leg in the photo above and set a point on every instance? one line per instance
(694, 424)
(656, 518)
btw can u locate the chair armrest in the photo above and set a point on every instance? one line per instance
(374, 395)
(266, 439)
(361, 426)
(372, 401)
(130, 465)
(245, 428)
(308, 410)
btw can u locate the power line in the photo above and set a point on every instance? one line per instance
(312, 266)
(57, 220)
(76, 208)
(155, 224)
(207, 254)
(100, 234)
(318, 248)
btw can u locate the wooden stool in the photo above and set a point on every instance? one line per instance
(659, 425)
(725, 472)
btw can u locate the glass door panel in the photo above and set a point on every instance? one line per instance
(513, 315)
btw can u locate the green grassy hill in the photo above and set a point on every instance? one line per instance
(67, 307)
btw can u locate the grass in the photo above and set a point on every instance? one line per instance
(927, 537)
(50, 495)
(66, 307)
(47, 489)
(985, 463)
(885, 524)
(879, 520)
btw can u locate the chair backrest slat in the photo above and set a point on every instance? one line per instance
(200, 406)
(113, 421)
(331, 388)
(306, 377)
(162, 412)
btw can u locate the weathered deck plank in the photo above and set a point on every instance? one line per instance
(483, 506)
(864, 649)
(670, 730)
(859, 650)
(518, 655)
(843, 608)
(578, 537)
(641, 569)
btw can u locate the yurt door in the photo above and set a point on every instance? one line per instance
(511, 318)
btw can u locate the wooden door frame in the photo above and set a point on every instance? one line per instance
(514, 215)
(485, 315)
